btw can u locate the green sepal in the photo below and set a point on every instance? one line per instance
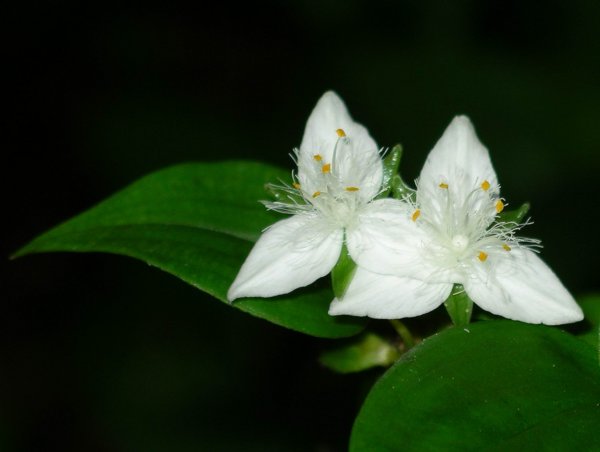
(459, 306)
(391, 162)
(392, 181)
(402, 191)
(287, 195)
(342, 273)
(367, 351)
(515, 215)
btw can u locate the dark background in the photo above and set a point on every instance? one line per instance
(103, 353)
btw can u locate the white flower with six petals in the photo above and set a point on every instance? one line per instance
(410, 254)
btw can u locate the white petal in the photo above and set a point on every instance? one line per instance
(358, 166)
(386, 240)
(522, 287)
(354, 159)
(329, 115)
(389, 297)
(459, 160)
(290, 254)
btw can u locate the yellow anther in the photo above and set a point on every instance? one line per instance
(443, 185)
(326, 168)
(318, 157)
(340, 133)
(499, 206)
(485, 185)
(506, 247)
(296, 185)
(315, 194)
(482, 256)
(351, 188)
(416, 214)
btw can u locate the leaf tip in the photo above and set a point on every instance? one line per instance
(19, 253)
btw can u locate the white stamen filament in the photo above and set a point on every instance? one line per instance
(464, 229)
(330, 183)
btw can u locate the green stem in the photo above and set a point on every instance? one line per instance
(404, 333)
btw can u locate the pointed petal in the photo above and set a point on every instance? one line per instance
(353, 158)
(389, 297)
(329, 115)
(458, 160)
(522, 287)
(290, 254)
(386, 240)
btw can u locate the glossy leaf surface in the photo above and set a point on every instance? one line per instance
(496, 385)
(197, 221)
(590, 304)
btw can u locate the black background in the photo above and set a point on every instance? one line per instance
(103, 353)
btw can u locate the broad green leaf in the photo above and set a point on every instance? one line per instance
(496, 385)
(197, 221)
(590, 304)
(364, 352)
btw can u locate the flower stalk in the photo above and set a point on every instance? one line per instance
(404, 333)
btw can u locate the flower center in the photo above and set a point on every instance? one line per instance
(334, 197)
(460, 242)
(335, 182)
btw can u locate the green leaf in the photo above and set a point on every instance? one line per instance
(498, 385)
(342, 273)
(590, 304)
(459, 306)
(364, 352)
(197, 221)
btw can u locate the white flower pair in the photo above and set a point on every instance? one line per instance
(409, 252)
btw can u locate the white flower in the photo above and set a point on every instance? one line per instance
(412, 253)
(339, 172)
